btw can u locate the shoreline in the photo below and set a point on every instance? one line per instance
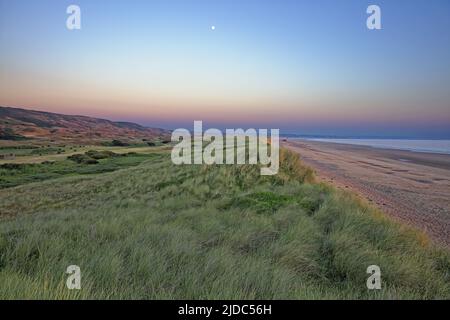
(383, 147)
(412, 187)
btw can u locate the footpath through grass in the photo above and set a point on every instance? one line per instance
(159, 231)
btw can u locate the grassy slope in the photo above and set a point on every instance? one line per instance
(164, 231)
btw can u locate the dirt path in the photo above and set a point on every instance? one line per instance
(413, 187)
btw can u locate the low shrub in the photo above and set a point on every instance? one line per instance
(82, 159)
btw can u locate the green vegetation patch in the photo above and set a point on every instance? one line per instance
(271, 202)
(15, 174)
(29, 150)
(262, 202)
(103, 154)
(82, 159)
(47, 151)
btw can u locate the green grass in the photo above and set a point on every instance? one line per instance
(27, 150)
(159, 231)
(16, 174)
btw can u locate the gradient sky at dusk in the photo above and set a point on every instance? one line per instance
(302, 66)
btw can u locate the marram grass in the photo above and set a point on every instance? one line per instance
(159, 231)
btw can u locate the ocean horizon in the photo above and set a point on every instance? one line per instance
(414, 145)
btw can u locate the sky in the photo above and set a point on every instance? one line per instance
(307, 67)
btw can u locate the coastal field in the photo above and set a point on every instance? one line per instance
(147, 229)
(413, 187)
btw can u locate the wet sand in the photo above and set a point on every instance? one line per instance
(410, 186)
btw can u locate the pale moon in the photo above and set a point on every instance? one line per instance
(213, 28)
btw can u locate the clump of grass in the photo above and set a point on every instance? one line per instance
(82, 159)
(119, 143)
(293, 169)
(262, 202)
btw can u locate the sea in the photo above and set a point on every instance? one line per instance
(430, 146)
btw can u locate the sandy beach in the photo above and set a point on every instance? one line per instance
(410, 186)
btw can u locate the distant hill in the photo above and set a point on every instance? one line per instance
(22, 124)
